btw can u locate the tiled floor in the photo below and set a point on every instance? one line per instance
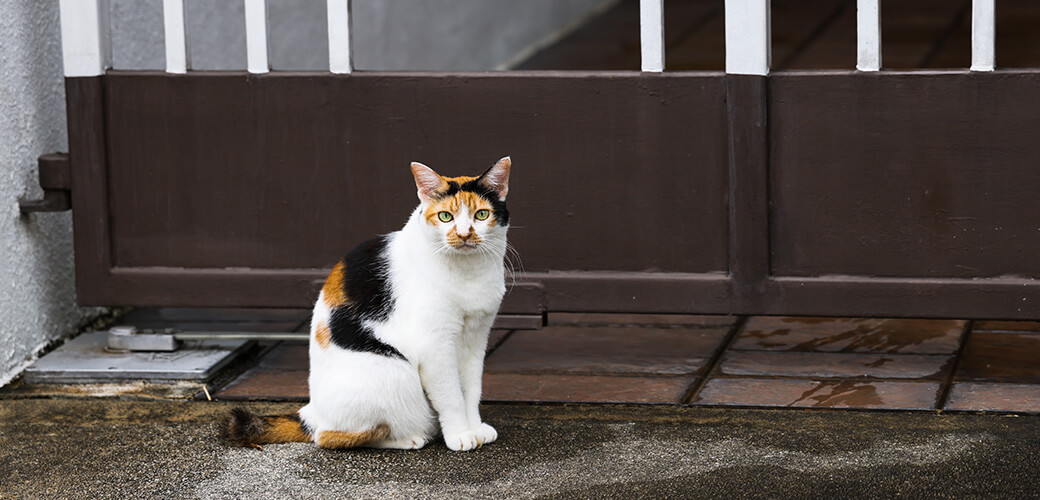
(883, 364)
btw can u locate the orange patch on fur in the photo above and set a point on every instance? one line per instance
(283, 429)
(456, 241)
(322, 335)
(461, 180)
(452, 204)
(338, 440)
(333, 293)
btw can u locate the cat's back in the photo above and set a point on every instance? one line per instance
(356, 293)
(360, 280)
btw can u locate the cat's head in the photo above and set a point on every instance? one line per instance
(463, 214)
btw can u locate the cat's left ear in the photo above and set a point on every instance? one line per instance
(497, 178)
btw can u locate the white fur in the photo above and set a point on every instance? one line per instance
(445, 300)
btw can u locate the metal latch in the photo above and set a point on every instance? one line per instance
(56, 180)
(129, 338)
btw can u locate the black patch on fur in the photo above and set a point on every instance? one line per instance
(242, 428)
(367, 288)
(498, 206)
(303, 425)
(348, 333)
(366, 284)
(475, 186)
(453, 188)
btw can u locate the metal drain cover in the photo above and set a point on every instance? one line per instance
(85, 359)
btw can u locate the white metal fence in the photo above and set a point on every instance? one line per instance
(84, 30)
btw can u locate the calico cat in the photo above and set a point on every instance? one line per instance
(400, 328)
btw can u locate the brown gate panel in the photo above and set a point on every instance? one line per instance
(919, 175)
(237, 189)
(827, 193)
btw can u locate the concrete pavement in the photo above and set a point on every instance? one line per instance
(74, 448)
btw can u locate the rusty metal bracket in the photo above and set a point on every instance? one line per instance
(55, 179)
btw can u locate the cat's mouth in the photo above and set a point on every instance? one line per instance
(465, 247)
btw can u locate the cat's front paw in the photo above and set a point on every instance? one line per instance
(462, 441)
(485, 434)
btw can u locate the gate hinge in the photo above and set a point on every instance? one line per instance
(55, 179)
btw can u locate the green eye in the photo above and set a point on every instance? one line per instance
(482, 214)
(445, 216)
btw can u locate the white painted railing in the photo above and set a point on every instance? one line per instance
(651, 35)
(748, 41)
(176, 42)
(85, 36)
(341, 55)
(983, 35)
(868, 35)
(256, 36)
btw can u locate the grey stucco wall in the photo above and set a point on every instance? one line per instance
(37, 299)
(447, 35)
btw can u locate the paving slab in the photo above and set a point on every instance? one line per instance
(267, 384)
(607, 350)
(640, 320)
(973, 396)
(879, 335)
(1008, 326)
(523, 387)
(835, 365)
(810, 393)
(130, 449)
(1009, 357)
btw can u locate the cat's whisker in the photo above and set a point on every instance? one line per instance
(514, 264)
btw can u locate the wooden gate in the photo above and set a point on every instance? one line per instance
(868, 193)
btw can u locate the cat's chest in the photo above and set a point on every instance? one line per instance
(473, 291)
(446, 289)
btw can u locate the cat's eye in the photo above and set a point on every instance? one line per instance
(482, 214)
(445, 216)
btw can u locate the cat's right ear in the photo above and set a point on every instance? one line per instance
(427, 181)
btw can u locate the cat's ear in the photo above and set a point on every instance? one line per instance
(427, 181)
(497, 178)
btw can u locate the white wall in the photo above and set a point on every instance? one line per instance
(37, 300)
(460, 35)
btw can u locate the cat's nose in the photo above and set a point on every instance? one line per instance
(465, 237)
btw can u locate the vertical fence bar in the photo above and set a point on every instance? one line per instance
(748, 47)
(983, 35)
(341, 55)
(256, 36)
(651, 35)
(176, 42)
(84, 37)
(868, 38)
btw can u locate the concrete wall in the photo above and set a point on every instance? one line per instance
(37, 300)
(460, 35)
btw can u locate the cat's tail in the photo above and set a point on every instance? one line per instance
(245, 428)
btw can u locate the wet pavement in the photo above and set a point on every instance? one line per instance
(758, 361)
(67, 448)
(742, 407)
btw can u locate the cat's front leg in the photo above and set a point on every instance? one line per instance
(471, 370)
(439, 374)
